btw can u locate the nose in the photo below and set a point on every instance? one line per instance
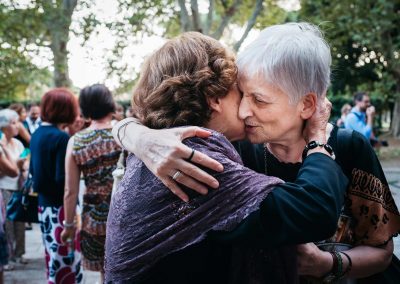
(244, 108)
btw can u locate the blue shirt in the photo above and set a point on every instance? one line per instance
(356, 120)
(48, 148)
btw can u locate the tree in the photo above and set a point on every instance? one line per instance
(366, 35)
(40, 24)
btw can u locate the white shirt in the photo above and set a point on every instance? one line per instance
(7, 182)
(33, 125)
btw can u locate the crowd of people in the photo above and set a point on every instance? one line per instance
(262, 189)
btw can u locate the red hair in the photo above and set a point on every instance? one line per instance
(59, 106)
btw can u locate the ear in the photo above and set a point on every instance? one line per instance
(215, 104)
(308, 105)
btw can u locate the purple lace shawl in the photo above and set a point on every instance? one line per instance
(147, 222)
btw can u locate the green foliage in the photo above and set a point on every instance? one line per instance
(365, 40)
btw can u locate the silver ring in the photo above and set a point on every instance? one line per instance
(176, 175)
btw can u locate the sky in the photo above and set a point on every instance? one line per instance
(87, 63)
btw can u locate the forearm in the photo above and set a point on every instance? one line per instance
(122, 128)
(7, 165)
(70, 200)
(367, 260)
(291, 213)
(308, 209)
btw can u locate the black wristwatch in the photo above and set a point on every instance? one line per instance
(314, 144)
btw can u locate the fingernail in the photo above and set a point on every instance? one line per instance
(220, 168)
(215, 184)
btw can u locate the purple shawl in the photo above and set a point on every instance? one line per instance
(147, 222)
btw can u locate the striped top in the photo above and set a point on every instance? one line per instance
(96, 154)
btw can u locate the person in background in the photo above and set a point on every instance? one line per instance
(9, 121)
(361, 116)
(33, 120)
(23, 129)
(119, 114)
(47, 166)
(361, 119)
(78, 124)
(94, 153)
(24, 135)
(344, 111)
(129, 112)
(8, 167)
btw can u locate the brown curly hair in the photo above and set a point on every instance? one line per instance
(177, 79)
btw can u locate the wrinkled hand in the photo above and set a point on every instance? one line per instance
(164, 154)
(316, 125)
(312, 261)
(68, 236)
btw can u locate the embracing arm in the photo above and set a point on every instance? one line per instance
(164, 154)
(291, 213)
(364, 171)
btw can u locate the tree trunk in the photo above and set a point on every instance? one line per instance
(60, 53)
(250, 24)
(195, 16)
(395, 124)
(207, 26)
(58, 21)
(184, 17)
(229, 13)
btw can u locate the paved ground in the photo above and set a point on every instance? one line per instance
(34, 271)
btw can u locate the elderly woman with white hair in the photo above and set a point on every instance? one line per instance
(283, 74)
(12, 149)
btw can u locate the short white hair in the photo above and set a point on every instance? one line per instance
(293, 57)
(6, 116)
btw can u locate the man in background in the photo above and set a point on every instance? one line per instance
(361, 118)
(33, 118)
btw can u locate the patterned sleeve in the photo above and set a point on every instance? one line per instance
(369, 199)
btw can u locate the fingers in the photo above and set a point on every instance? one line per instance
(190, 182)
(175, 189)
(192, 131)
(205, 161)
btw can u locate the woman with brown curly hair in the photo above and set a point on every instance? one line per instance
(153, 236)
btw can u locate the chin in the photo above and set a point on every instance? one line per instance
(254, 138)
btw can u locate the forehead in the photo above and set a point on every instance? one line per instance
(259, 85)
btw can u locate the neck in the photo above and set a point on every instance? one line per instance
(104, 122)
(288, 152)
(291, 151)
